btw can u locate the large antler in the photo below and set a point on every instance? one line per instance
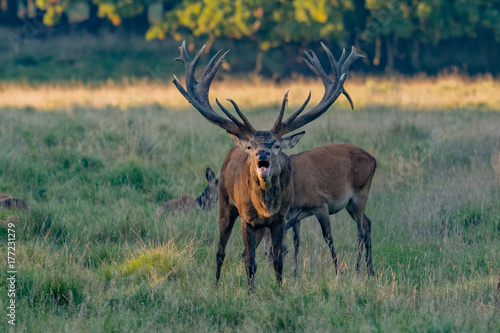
(333, 89)
(197, 93)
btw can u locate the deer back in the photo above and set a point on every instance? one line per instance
(330, 173)
(184, 204)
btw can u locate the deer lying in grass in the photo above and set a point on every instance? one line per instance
(6, 201)
(206, 201)
(256, 179)
(328, 179)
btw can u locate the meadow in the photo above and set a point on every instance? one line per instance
(94, 163)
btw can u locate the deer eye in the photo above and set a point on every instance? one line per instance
(249, 147)
(277, 146)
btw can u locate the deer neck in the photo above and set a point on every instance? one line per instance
(266, 194)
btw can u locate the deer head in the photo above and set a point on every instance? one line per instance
(264, 148)
(208, 199)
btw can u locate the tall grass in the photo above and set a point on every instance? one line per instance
(446, 92)
(94, 255)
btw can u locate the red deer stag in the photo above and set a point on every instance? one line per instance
(256, 179)
(206, 201)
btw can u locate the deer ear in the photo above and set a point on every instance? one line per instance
(238, 140)
(210, 175)
(291, 141)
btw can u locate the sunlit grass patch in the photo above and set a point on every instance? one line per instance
(155, 264)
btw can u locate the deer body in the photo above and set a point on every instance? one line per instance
(327, 180)
(184, 204)
(256, 180)
(260, 202)
(187, 203)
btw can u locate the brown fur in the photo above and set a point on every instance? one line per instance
(261, 202)
(187, 203)
(8, 202)
(328, 179)
(256, 178)
(184, 204)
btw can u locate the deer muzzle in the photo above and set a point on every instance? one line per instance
(263, 163)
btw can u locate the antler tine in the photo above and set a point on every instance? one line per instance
(197, 93)
(342, 57)
(333, 62)
(189, 65)
(299, 111)
(242, 116)
(346, 94)
(229, 114)
(210, 70)
(277, 123)
(353, 56)
(333, 89)
(316, 67)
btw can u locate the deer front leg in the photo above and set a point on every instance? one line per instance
(227, 216)
(277, 233)
(259, 234)
(248, 233)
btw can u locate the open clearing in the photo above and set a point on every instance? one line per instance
(93, 254)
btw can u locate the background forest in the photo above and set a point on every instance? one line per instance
(409, 37)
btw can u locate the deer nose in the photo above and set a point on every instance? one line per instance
(263, 154)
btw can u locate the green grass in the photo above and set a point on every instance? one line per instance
(94, 256)
(93, 59)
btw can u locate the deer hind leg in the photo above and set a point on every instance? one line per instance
(367, 225)
(357, 212)
(227, 217)
(296, 244)
(323, 217)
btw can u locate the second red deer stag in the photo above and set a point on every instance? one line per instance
(256, 180)
(327, 180)
(338, 176)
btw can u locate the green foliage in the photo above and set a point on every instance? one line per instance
(390, 32)
(267, 22)
(53, 10)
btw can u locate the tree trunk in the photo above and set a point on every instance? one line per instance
(93, 23)
(9, 13)
(378, 52)
(390, 50)
(415, 56)
(138, 23)
(258, 62)
(209, 43)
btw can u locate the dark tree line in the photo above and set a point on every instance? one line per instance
(406, 36)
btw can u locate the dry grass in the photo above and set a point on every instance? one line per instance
(442, 93)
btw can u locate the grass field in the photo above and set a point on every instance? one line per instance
(94, 256)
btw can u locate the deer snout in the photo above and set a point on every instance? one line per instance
(263, 154)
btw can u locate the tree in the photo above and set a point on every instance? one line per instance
(8, 13)
(267, 23)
